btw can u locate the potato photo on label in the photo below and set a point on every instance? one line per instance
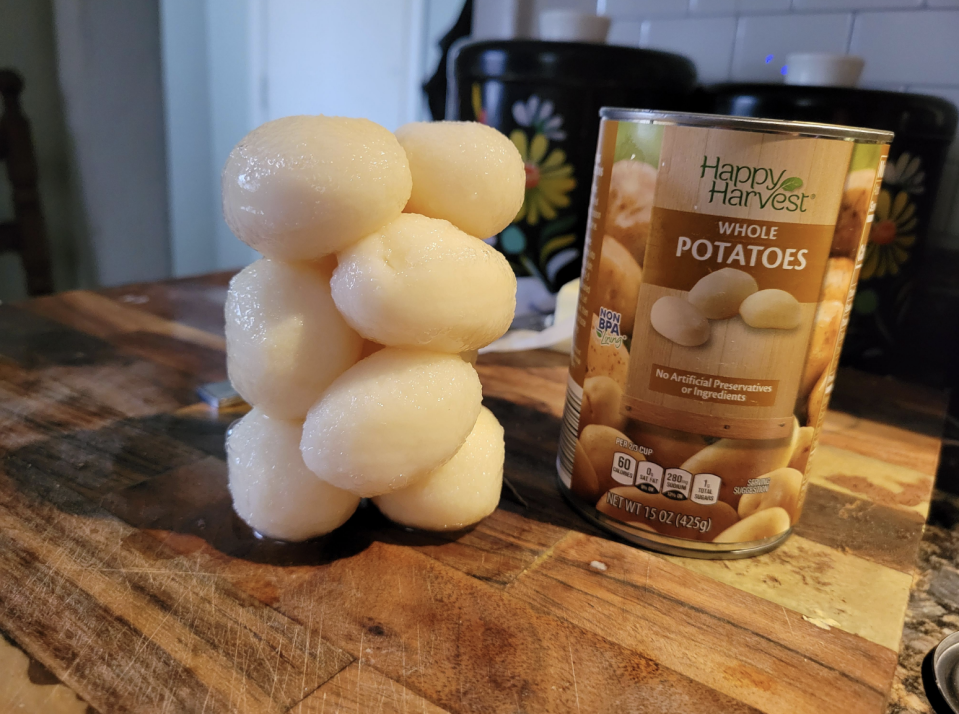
(620, 276)
(606, 360)
(719, 295)
(784, 490)
(737, 461)
(602, 445)
(602, 403)
(670, 447)
(822, 343)
(771, 309)
(758, 526)
(631, 188)
(678, 320)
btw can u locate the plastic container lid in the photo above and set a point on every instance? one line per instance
(915, 115)
(574, 64)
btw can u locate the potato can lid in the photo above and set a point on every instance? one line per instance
(766, 126)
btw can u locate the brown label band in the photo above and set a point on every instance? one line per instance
(684, 247)
(714, 388)
(706, 424)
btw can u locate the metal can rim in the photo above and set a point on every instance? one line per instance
(769, 126)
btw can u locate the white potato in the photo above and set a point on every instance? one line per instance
(461, 492)
(618, 282)
(771, 309)
(464, 172)
(607, 360)
(785, 489)
(679, 321)
(602, 399)
(302, 187)
(718, 295)
(757, 526)
(391, 419)
(272, 489)
(422, 282)
(632, 188)
(285, 340)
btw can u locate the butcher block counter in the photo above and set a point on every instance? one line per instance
(128, 584)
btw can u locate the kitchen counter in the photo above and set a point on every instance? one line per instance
(127, 583)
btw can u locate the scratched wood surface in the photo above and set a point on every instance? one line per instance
(128, 584)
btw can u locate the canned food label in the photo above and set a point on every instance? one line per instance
(718, 272)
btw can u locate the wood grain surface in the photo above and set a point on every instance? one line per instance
(127, 583)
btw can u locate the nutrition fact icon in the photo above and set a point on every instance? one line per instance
(674, 483)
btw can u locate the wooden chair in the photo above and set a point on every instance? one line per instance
(26, 234)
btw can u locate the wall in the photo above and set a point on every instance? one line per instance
(110, 77)
(27, 45)
(229, 65)
(908, 45)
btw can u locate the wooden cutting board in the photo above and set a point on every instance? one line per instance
(126, 577)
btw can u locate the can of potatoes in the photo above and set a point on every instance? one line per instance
(721, 261)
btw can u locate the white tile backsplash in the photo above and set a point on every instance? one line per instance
(625, 32)
(761, 6)
(762, 42)
(706, 41)
(840, 5)
(734, 7)
(712, 7)
(942, 3)
(642, 9)
(911, 47)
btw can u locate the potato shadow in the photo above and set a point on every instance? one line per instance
(166, 474)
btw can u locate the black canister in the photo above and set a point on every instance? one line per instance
(546, 97)
(888, 332)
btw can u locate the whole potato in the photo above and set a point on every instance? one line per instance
(822, 343)
(618, 282)
(606, 360)
(785, 485)
(632, 187)
(391, 419)
(422, 282)
(584, 482)
(771, 309)
(302, 187)
(818, 399)
(678, 320)
(853, 210)
(838, 278)
(461, 492)
(683, 519)
(802, 449)
(285, 340)
(464, 172)
(760, 525)
(600, 444)
(602, 399)
(272, 490)
(718, 295)
(736, 461)
(671, 448)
